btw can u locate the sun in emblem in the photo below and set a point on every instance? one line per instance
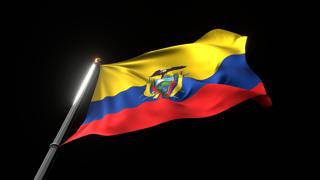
(164, 83)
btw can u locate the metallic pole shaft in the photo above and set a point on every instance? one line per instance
(57, 141)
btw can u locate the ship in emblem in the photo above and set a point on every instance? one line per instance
(164, 83)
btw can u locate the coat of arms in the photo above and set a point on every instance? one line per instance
(164, 83)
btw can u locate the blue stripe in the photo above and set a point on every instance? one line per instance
(233, 71)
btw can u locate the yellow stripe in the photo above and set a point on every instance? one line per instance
(202, 59)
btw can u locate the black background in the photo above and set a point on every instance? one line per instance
(57, 44)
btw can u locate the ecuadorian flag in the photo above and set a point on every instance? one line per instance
(193, 80)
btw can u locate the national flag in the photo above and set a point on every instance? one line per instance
(192, 80)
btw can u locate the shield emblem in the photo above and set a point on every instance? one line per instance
(164, 83)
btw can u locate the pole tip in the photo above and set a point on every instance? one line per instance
(97, 60)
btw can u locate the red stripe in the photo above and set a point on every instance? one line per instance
(211, 99)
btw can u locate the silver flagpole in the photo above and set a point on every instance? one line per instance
(57, 141)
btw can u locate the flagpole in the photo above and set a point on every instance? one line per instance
(53, 147)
